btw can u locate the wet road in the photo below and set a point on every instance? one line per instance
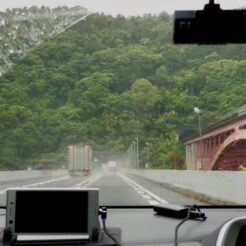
(115, 189)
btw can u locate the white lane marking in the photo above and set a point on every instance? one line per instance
(83, 182)
(46, 182)
(153, 197)
(35, 184)
(146, 196)
(3, 191)
(140, 192)
(93, 180)
(88, 181)
(153, 202)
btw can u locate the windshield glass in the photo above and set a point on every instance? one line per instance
(95, 94)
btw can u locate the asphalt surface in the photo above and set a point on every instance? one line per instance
(117, 189)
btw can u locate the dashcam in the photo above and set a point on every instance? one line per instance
(212, 25)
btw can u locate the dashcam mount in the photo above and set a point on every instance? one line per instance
(212, 25)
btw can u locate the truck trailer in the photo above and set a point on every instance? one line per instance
(80, 160)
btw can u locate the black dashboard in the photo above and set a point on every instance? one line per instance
(143, 227)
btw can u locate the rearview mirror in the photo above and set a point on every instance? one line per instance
(210, 26)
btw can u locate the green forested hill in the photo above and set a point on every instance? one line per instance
(107, 80)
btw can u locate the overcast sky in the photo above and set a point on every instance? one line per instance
(125, 7)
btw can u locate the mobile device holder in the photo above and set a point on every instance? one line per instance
(25, 225)
(98, 239)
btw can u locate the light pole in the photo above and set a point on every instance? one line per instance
(198, 112)
(130, 156)
(147, 164)
(133, 154)
(137, 152)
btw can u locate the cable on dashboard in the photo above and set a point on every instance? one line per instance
(103, 213)
(201, 216)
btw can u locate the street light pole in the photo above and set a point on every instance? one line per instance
(137, 152)
(131, 156)
(198, 112)
(147, 164)
(199, 123)
(134, 154)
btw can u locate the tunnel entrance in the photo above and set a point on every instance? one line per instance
(232, 157)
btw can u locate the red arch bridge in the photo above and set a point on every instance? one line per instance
(221, 146)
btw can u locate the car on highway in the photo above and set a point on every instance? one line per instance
(136, 113)
(112, 166)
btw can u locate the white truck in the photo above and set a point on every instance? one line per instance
(112, 166)
(80, 160)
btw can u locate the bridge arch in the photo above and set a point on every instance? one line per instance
(238, 136)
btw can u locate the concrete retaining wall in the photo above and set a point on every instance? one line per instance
(8, 176)
(218, 185)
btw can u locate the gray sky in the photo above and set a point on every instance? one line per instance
(125, 7)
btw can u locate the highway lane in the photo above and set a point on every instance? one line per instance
(124, 189)
(38, 182)
(115, 189)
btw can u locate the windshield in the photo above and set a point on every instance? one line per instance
(95, 94)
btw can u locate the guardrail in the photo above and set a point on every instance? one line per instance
(214, 187)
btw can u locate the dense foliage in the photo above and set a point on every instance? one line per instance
(108, 80)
